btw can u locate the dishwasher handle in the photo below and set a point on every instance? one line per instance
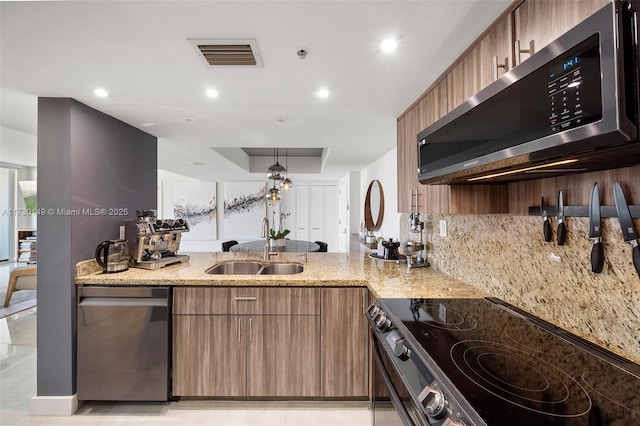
(123, 292)
(123, 301)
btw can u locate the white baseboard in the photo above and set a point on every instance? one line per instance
(53, 405)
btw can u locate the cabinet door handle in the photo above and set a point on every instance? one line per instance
(417, 203)
(239, 329)
(250, 330)
(364, 295)
(497, 66)
(519, 51)
(246, 298)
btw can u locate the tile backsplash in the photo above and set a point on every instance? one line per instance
(506, 256)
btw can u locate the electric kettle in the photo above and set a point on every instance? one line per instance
(113, 255)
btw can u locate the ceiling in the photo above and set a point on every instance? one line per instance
(139, 51)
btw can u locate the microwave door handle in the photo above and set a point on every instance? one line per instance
(395, 399)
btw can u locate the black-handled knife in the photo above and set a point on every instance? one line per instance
(546, 224)
(562, 227)
(597, 251)
(626, 223)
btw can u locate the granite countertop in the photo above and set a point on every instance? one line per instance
(383, 278)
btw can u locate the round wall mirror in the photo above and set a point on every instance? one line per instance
(374, 206)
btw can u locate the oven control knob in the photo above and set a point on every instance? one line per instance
(401, 350)
(433, 401)
(373, 311)
(382, 322)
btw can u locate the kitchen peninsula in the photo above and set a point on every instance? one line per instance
(300, 335)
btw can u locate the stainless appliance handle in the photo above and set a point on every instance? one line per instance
(122, 301)
(395, 399)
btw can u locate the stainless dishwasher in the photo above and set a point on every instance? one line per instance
(123, 343)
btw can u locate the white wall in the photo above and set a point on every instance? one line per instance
(18, 147)
(384, 169)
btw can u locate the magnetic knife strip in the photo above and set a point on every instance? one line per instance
(583, 211)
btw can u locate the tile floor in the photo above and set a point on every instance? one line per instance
(18, 385)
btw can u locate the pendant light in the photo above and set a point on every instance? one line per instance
(285, 182)
(276, 171)
(274, 193)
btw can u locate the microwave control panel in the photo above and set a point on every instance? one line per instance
(574, 88)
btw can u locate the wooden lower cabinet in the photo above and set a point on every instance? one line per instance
(344, 358)
(238, 355)
(313, 346)
(283, 356)
(208, 355)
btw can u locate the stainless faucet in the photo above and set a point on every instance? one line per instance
(265, 235)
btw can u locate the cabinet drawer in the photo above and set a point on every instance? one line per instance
(246, 301)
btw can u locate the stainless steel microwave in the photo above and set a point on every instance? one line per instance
(571, 107)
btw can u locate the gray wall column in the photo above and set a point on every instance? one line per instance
(94, 171)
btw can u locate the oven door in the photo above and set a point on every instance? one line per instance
(392, 404)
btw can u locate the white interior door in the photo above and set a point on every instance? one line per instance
(343, 216)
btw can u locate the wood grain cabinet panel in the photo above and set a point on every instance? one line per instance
(275, 300)
(407, 156)
(246, 300)
(246, 341)
(412, 195)
(283, 356)
(542, 21)
(208, 355)
(345, 343)
(495, 51)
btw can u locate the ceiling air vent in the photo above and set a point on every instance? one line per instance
(228, 53)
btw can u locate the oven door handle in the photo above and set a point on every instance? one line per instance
(395, 399)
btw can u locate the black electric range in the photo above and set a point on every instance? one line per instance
(483, 361)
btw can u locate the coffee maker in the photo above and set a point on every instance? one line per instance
(113, 255)
(155, 242)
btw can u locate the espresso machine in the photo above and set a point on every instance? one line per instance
(155, 242)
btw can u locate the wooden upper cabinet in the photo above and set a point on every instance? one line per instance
(496, 51)
(407, 159)
(539, 22)
(481, 65)
(412, 195)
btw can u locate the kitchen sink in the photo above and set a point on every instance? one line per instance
(281, 269)
(235, 268)
(254, 268)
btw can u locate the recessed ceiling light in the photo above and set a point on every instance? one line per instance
(101, 93)
(188, 119)
(390, 44)
(212, 93)
(282, 119)
(148, 124)
(323, 93)
(196, 163)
